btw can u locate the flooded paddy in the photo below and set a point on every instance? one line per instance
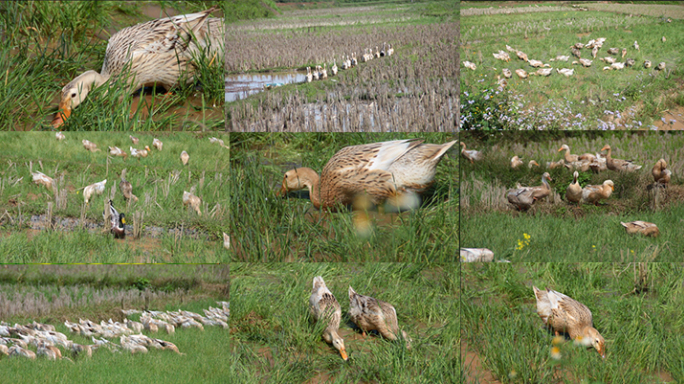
(240, 86)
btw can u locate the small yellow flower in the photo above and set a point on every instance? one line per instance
(555, 353)
(512, 374)
(526, 236)
(558, 340)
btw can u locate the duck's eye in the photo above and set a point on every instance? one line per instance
(73, 95)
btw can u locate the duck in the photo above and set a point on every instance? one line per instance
(663, 39)
(97, 188)
(636, 45)
(507, 73)
(470, 154)
(116, 151)
(469, 65)
(157, 144)
(613, 51)
(157, 51)
(193, 201)
(134, 139)
(542, 72)
(566, 315)
(521, 73)
(521, 55)
(510, 49)
(537, 64)
(60, 136)
(578, 46)
(333, 69)
(370, 314)
(309, 75)
(502, 55)
(140, 152)
(184, 158)
(117, 221)
(523, 198)
(226, 241)
(609, 60)
(584, 62)
(574, 191)
(382, 170)
(647, 64)
(516, 162)
(566, 72)
(624, 52)
(594, 52)
(476, 255)
(618, 164)
(576, 52)
(617, 66)
(661, 66)
(630, 62)
(531, 164)
(390, 50)
(560, 58)
(570, 158)
(126, 189)
(42, 179)
(592, 194)
(324, 307)
(660, 172)
(89, 145)
(643, 227)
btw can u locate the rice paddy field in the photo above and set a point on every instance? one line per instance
(413, 90)
(56, 225)
(592, 98)
(636, 307)
(556, 230)
(267, 227)
(46, 44)
(53, 294)
(274, 340)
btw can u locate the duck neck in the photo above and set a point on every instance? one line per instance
(310, 179)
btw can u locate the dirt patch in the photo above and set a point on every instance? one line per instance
(672, 119)
(475, 372)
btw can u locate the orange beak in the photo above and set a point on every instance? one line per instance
(61, 115)
(282, 192)
(344, 354)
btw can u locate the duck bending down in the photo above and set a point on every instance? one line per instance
(524, 197)
(324, 307)
(660, 172)
(371, 314)
(643, 227)
(157, 51)
(592, 194)
(564, 314)
(382, 170)
(574, 191)
(470, 154)
(618, 164)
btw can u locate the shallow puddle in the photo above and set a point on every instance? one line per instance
(240, 86)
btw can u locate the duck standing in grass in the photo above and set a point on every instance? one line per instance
(117, 221)
(660, 172)
(574, 191)
(157, 51)
(184, 157)
(324, 307)
(566, 315)
(371, 314)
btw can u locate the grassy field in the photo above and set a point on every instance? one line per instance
(273, 341)
(414, 90)
(633, 98)
(267, 228)
(560, 231)
(636, 308)
(191, 288)
(170, 232)
(47, 44)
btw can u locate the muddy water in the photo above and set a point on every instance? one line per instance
(241, 86)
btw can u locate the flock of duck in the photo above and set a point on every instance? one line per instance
(15, 341)
(547, 70)
(368, 313)
(117, 220)
(390, 170)
(522, 198)
(321, 72)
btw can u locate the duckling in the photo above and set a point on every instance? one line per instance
(516, 162)
(184, 157)
(647, 64)
(630, 62)
(584, 62)
(576, 52)
(560, 58)
(117, 221)
(542, 72)
(60, 136)
(609, 60)
(324, 307)
(157, 144)
(521, 55)
(507, 73)
(643, 227)
(126, 189)
(566, 72)
(636, 45)
(564, 314)
(574, 191)
(469, 65)
(371, 314)
(501, 55)
(521, 73)
(661, 66)
(613, 51)
(537, 64)
(624, 52)
(116, 151)
(134, 139)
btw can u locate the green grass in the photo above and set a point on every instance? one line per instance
(559, 231)
(47, 44)
(267, 228)
(632, 98)
(640, 322)
(272, 339)
(160, 197)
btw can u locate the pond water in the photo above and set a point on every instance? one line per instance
(241, 86)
